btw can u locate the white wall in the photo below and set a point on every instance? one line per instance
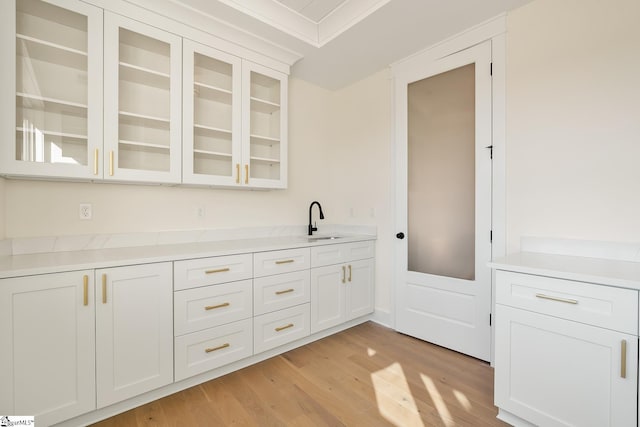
(2, 207)
(573, 120)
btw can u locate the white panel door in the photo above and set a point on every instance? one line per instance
(443, 204)
(554, 372)
(134, 329)
(47, 362)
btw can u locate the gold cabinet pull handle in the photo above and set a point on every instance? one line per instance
(246, 174)
(623, 359)
(95, 162)
(220, 347)
(237, 173)
(85, 286)
(349, 272)
(344, 274)
(213, 307)
(282, 328)
(104, 288)
(285, 261)
(217, 270)
(558, 299)
(286, 291)
(111, 163)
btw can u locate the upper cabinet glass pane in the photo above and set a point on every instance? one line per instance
(213, 116)
(145, 102)
(265, 127)
(51, 84)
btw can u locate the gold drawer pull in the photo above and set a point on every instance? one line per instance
(286, 291)
(220, 347)
(344, 274)
(246, 174)
(85, 285)
(237, 173)
(623, 359)
(104, 288)
(95, 162)
(349, 272)
(217, 270)
(282, 328)
(286, 261)
(558, 299)
(213, 307)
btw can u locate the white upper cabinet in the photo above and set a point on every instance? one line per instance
(51, 94)
(142, 132)
(211, 111)
(264, 126)
(96, 95)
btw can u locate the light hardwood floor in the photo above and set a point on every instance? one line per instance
(365, 376)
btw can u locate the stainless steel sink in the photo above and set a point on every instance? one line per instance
(315, 238)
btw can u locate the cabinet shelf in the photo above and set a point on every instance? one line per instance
(262, 139)
(212, 93)
(144, 76)
(42, 102)
(143, 144)
(55, 133)
(35, 48)
(141, 119)
(212, 153)
(264, 106)
(264, 160)
(199, 127)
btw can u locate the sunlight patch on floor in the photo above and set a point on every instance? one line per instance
(393, 395)
(438, 401)
(462, 398)
(371, 352)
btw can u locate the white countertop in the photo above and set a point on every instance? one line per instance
(53, 262)
(624, 274)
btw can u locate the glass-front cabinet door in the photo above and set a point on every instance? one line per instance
(211, 139)
(142, 71)
(51, 92)
(264, 128)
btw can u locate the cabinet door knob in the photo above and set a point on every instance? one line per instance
(400, 235)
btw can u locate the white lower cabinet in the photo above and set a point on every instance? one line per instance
(76, 342)
(134, 330)
(551, 370)
(47, 362)
(341, 292)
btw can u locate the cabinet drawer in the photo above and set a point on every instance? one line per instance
(276, 262)
(209, 271)
(209, 349)
(604, 306)
(280, 327)
(280, 291)
(209, 306)
(344, 252)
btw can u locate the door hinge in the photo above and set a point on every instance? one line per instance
(491, 69)
(489, 319)
(490, 147)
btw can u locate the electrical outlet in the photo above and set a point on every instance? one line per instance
(85, 211)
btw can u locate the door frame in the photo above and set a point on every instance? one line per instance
(494, 31)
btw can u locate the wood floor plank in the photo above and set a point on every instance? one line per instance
(368, 375)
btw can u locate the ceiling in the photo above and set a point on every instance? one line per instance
(337, 42)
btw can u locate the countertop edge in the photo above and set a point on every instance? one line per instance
(57, 262)
(617, 273)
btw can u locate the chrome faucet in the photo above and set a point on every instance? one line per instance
(312, 228)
